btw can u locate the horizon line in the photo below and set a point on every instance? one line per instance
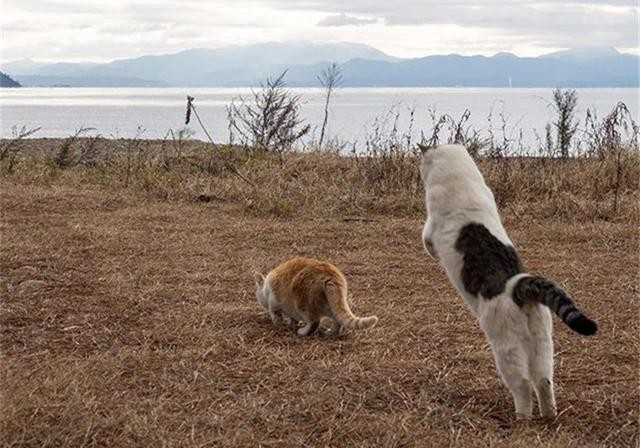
(623, 51)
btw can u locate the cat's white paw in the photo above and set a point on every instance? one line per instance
(308, 329)
(549, 413)
(276, 318)
(335, 331)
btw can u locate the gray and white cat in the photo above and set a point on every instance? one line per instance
(464, 232)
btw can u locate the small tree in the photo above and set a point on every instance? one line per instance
(330, 78)
(565, 102)
(269, 122)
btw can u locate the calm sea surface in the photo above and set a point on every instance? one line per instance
(120, 112)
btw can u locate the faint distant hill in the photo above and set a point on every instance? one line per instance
(191, 67)
(7, 81)
(361, 65)
(584, 53)
(82, 80)
(501, 70)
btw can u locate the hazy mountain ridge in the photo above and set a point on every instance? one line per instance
(87, 81)
(7, 81)
(362, 66)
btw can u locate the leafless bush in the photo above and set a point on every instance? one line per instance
(455, 130)
(270, 121)
(89, 151)
(65, 156)
(129, 156)
(330, 78)
(178, 140)
(381, 175)
(612, 137)
(462, 133)
(173, 146)
(616, 130)
(437, 124)
(11, 147)
(388, 162)
(501, 139)
(215, 148)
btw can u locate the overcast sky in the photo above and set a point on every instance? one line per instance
(102, 30)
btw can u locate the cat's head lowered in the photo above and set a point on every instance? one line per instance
(261, 293)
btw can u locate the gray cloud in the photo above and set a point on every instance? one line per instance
(553, 23)
(95, 29)
(344, 20)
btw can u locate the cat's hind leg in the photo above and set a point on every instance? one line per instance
(546, 397)
(290, 322)
(336, 328)
(541, 359)
(311, 321)
(512, 365)
(506, 328)
(309, 328)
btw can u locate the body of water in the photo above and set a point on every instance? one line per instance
(121, 112)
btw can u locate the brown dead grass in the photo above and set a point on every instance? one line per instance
(324, 184)
(142, 329)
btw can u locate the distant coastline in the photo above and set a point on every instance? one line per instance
(361, 66)
(354, 112)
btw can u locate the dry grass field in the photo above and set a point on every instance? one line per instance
(128, 318)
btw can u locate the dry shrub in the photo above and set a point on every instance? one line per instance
(565, 102)
(10, 148)
(600, 181)
(270, 121)
(385, 179)
(575, 188)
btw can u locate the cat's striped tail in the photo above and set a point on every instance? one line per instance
(539, 289)
(337, 297)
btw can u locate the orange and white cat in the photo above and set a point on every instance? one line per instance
(307, 290)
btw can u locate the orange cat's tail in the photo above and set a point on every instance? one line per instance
(337, 298)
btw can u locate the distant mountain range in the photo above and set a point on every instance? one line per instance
(6, 81)
(361, 65)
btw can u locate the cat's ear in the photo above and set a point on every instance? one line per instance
(259, 278)
(423, 148)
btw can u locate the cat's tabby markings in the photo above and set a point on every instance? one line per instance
(307, 290)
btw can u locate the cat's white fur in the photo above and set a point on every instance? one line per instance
(520, 337)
